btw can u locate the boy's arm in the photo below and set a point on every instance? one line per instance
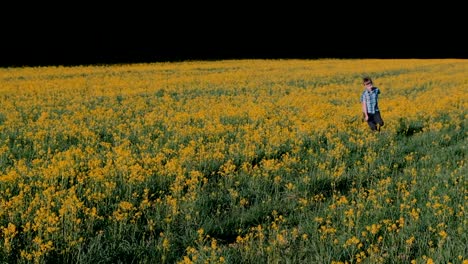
(364, 110)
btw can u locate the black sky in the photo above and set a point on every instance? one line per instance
(85, 34)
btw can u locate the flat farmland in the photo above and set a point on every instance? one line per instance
(234, 161)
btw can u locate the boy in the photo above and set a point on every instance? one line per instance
(370, 105)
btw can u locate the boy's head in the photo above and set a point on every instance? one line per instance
(367, 81)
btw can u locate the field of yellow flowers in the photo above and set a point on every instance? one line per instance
(236, 161)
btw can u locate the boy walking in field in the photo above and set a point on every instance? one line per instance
(370, 105)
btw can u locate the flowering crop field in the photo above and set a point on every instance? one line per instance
(235, 161)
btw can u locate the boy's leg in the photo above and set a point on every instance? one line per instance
(378, 119)
(371, 122)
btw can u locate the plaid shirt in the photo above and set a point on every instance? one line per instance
(371, 99)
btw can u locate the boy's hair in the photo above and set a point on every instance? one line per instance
(366, 79)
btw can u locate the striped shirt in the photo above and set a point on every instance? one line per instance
(371, 99)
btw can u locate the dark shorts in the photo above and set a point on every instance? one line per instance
(375, 121)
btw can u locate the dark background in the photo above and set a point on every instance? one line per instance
(85, 34)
